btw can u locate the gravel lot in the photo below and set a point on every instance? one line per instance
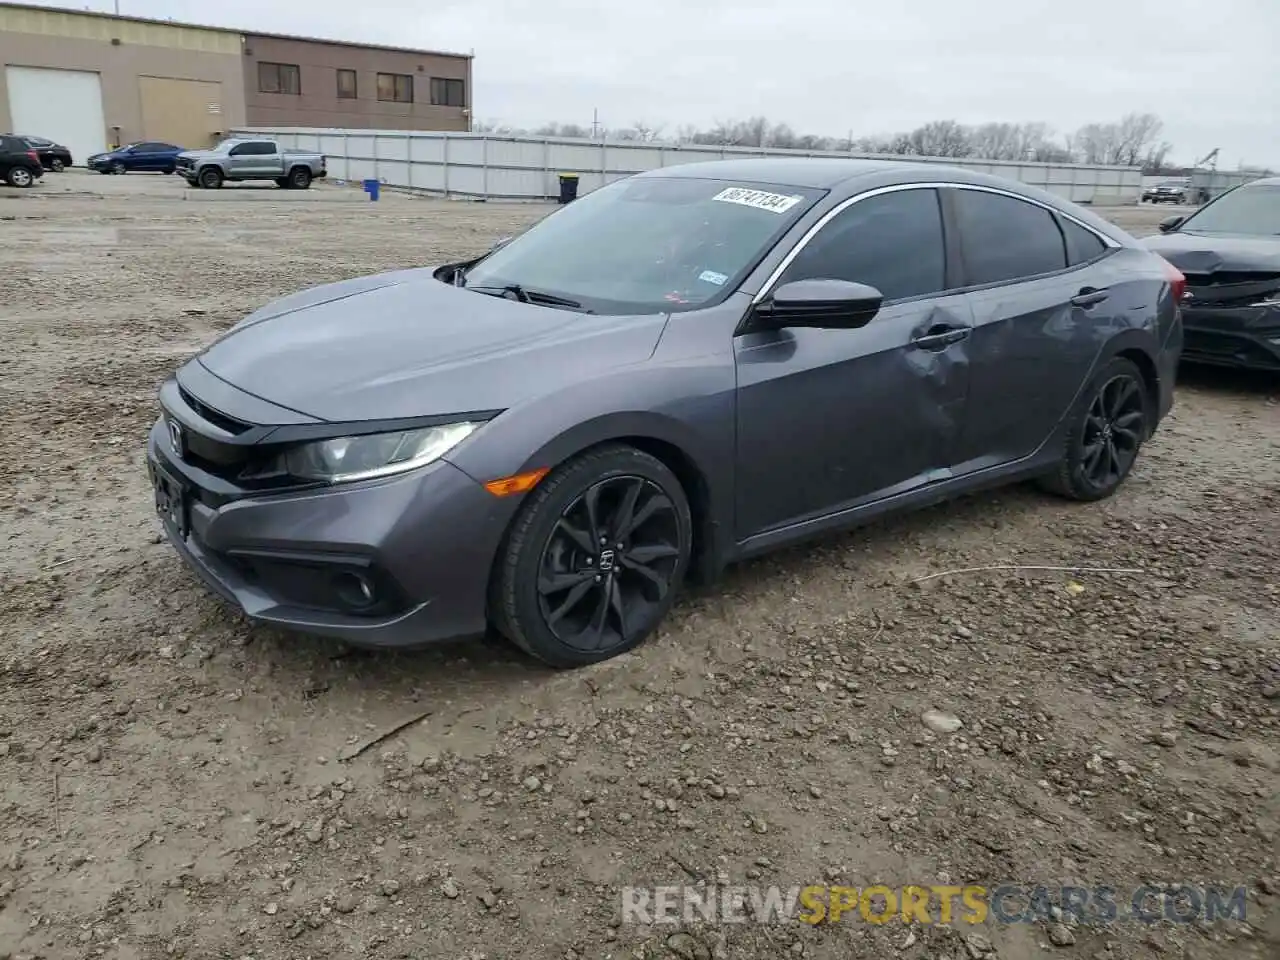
(178, 783)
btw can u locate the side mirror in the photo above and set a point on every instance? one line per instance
(1169, 224)
(831, 304)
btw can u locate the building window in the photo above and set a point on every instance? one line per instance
(448, 93)
(396, 87)
(346, 84)
(279, 78)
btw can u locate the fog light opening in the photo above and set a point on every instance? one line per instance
(354, 589)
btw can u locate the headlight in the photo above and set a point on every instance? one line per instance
(376, 455)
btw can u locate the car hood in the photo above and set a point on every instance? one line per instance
(404, 344)
(195, 154)
(1210, 253)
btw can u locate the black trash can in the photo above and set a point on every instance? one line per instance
(568, 187)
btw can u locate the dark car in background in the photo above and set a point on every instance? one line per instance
(682, 369)
(1170, 192)
(53, 156)
(19, 163)
(148, 156)
(1229, 251)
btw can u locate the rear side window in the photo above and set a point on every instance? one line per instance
(1082, 245)
(892, 242)
(1003, 238)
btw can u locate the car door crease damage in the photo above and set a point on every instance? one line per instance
(766, 349)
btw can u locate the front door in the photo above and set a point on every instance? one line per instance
(831, 419)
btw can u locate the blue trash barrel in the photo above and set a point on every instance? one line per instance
(371, 188)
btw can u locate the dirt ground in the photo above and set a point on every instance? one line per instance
(179, 783)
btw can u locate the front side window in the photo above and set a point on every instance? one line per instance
(279, 78)
(892, 242)
(1252, 211)
(395, 87)
(448, 93)
(1003, 238)
(647, 244)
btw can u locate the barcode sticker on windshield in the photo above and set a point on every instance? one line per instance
(773, 202)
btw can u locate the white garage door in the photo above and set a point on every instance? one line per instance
(63, 105)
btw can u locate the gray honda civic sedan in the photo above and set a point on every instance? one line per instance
(677, 371)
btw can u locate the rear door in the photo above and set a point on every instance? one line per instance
(1040, 309)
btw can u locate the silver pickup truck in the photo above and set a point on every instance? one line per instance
(242, 158)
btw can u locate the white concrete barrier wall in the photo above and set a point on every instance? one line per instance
(482, 166)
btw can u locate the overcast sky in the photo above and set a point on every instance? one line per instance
(1208, 69)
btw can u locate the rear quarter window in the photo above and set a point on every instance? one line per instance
(1082, 245)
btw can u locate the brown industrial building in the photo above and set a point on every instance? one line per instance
(92, 80)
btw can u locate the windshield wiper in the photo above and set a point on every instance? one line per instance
(525, 295)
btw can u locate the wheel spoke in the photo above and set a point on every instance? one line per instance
(1094, 424)
(624, 517)
(572, 600)
(652, 506)
(655, 578)
(1113, 459)
(600, 617)
(579, 536)
(1129, 436)
(591, 501)
(615, 601)
(647, 553)
(1122, 394)
(1092, 455)
(550, 583)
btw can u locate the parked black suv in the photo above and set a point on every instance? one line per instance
(53, 156)
(19, 163)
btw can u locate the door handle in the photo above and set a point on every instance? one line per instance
(1088, 297)
(939, 337)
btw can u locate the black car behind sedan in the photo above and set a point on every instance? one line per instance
(1229, 251)
(19, 164)
(1172, 192)
(53, 156)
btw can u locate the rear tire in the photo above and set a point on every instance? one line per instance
(1109, 423)
(299, 178)
(578, 580)
(21, 177)
(210, 178)
(56, 165)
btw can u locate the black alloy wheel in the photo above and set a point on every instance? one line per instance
(595, 559)
(1113, 431)
(608, 563)
(1109, 429)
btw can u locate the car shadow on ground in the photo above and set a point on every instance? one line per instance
(1235, 380)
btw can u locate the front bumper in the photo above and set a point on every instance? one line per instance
(424, 540)
(1247, 336)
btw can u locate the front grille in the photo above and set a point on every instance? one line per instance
(220, 420)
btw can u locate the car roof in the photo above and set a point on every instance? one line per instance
(1263, 182)
(830, 173)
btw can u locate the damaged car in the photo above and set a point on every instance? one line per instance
(680, 370)
(1229, 251)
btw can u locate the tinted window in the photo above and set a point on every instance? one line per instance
(1082, 245)
(1003, 238)
(892, 242)
(252, 149)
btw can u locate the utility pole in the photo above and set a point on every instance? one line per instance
(595, 124)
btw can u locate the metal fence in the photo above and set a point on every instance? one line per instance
(482, 166)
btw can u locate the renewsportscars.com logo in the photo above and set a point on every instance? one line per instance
(972, 904)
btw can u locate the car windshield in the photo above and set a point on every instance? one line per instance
(646, 245)
(1249, 211)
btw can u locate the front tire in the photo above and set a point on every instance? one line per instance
(117, 168)
(210, 178)
(1110, 422)
(595, 558)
